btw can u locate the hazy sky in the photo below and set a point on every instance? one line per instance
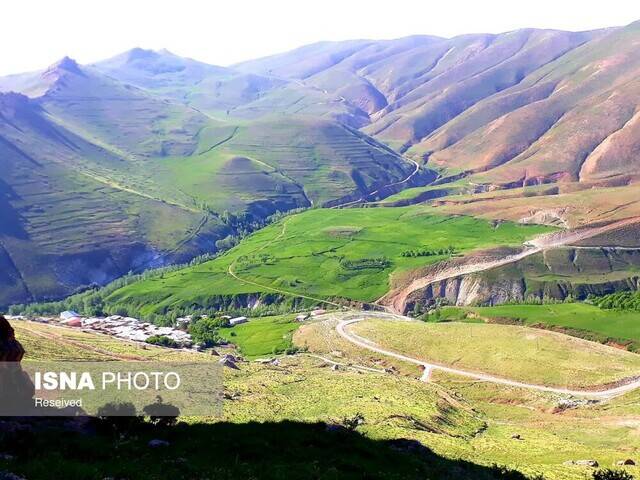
(37, 33)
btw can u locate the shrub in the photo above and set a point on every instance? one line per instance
(608, 474)
(162, 341)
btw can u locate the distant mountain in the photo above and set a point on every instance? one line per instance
(100, 177)
(572, 120)
(207, 87)
(410, 87)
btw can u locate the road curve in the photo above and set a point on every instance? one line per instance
(342, 330)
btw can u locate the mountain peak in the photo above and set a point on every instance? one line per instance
(138, 53)
(65, 65)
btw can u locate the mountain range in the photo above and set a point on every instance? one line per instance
(140, 160)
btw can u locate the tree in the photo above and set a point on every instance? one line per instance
(205, 331)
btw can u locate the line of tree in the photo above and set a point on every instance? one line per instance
(617, 301)
(365, 263)
(424, 252)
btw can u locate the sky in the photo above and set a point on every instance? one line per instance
(35, 34)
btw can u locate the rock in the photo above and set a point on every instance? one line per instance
(10, 349)
(334, 367)
(16, 388)
(628, 461)
(583, 463)
(228, 361)
(156, 443)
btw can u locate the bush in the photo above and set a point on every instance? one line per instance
(162, 341)
(205, 331)
(608, 474)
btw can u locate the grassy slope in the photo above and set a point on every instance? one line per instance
(617, 325)
(550, 434)
(514, 352)
(458, 420)
(307, 256)
(262, 336)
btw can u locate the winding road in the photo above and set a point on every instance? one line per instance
(343, 331)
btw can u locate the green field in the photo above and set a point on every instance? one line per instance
(509, 351)
(603, 325)
(262, 336)
(348, 253)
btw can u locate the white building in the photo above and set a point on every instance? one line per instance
(238, 321)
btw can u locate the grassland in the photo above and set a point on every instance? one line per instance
(517, 353)
(603, 325)
(262, 336)
(270, 425)
(552, 429)
(325, 253)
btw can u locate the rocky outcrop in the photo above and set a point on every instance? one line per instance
(555, 275)
(16, 388)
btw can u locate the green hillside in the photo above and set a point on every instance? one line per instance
(348, 254)
(100, 178)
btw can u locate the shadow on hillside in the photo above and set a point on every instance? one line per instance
(283, 450)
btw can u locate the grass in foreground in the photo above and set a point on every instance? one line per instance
(579, 319)
(512, 352)
(348, 253)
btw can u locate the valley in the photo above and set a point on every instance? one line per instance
(410, 258)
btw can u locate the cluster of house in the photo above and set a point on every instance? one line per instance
(127, 328)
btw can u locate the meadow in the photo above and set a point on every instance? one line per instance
(262, 336)
(581, 319)
(509, 351)
(323, 254)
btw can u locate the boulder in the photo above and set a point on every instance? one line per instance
(16, 388)
(628, 461)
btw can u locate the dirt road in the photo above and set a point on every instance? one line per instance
(343, 331)
(396, 300)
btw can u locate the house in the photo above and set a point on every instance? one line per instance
(68, 315)
(73, 322)
(302, 317)
(238, 321)
(317, 312)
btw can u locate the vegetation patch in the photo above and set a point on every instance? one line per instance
(582, 320)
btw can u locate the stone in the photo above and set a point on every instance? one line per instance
(628, 461)
(16, 388)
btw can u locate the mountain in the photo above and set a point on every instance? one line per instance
(210, 88)
(65, 224)
(101, 177)
(409, 87)
(573, 120)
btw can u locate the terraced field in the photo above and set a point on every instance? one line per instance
(348, 253)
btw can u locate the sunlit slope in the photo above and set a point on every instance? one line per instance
(321, 253)
(572, 120)
(411, 86)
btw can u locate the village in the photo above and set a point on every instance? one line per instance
(133, 329)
